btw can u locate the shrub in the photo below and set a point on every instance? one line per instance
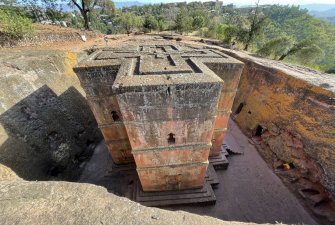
(276, 47)
(150, 23)
(332, 70)
(16, 25)
(221, 31)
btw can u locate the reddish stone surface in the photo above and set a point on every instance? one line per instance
(172, 178)
(160, 104)
(114, 132)
(230, 74)
(221, 120)
(226, 100)
(218, 137)
(120, 152)
(165, 156)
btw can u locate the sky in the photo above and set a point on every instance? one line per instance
(247, 2)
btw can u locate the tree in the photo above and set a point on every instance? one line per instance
(107, 7)
(129, 21)
(16, 25)
(257, 23)
(220, 31)
(183, 22)
(304, 52)
(235, 33)
(150, 23)
(162, 25)
(309, 54)
(198, 22)
(298, 24)
(85, 6)
(276, 47)
(298, 47)
(200, 18)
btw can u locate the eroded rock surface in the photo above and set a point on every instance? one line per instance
(46, 126)
(290, 114)
(69, 203)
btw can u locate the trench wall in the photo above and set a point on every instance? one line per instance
(290, 112)
(47, 130)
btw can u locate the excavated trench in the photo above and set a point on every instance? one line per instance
(283, 125)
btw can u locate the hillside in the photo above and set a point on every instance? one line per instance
(291, 25)
(322, 11)
(50, 35)
(122, 4)
(318, 7)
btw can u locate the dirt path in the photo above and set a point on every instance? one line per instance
(75, 46)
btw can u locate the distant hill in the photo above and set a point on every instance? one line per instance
(67, 8)
(323, 14)
(120, 5)
(322, 11)
(318, 7)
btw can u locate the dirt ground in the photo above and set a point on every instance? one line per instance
(76, 46)
(249, 191)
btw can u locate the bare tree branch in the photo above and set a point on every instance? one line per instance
(76, 4)
(95, 3)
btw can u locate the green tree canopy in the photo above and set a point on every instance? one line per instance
(85, 7)
(183, 22)
(276, 47)
(129, 21)
(150, 23)
(16, 25)
(198, 22)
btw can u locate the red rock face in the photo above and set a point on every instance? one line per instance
(172, 178)
(230, 74)
(162, 108)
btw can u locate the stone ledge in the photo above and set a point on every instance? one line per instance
(24, 202)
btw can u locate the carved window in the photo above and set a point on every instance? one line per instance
(171, 139)
(168, 91)
(259, 131)
(115, 116)
(239, 108)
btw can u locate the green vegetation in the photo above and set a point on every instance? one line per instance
(277, 48)
(312, 40)
(183, 22)
(285, 33)
(278, 32)
(150, 23)
(129, 21)
(87, 7)
(15, 25)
